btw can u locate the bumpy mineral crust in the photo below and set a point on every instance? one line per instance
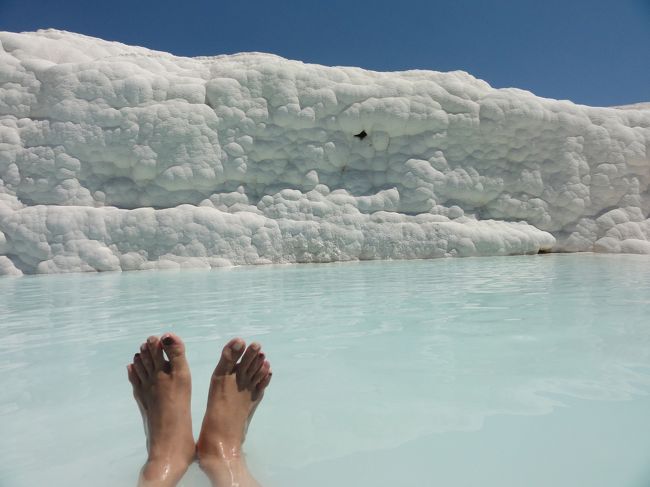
(116, 157)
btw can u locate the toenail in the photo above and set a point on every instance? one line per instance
(136, 356)
(142, 347)
(237, 346)
(168, 340)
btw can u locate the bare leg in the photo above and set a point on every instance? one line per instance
(163, 392)
(236, 389)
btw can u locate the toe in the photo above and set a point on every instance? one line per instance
(255, 367)
(140, 371)
(155, 349)
(175, 350)
(264, 383)
(261, 373)
(133, 377)
(250, 355)
(147, 360)
(229, 357)
(258, 391)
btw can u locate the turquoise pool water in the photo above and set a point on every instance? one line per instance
(501, 372)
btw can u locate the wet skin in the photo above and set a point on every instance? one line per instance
(162, 389)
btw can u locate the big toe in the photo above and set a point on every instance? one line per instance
(175, 350)
(230, 354)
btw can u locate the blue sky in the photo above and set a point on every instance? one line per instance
(595, 52)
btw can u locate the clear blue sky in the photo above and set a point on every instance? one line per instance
(595, 52)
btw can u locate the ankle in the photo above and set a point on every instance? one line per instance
(163, 471)
(221, 470)
(216, 451)
(179, 450)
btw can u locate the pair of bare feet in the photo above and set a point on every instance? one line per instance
(162, 387)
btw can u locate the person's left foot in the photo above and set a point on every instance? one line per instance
(163, 391)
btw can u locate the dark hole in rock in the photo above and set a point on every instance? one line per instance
(544, 251)
(362, 135)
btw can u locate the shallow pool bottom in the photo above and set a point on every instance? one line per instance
(459, 372)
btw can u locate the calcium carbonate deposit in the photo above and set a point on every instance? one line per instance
(117, 158)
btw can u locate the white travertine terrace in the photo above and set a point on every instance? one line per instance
(117, 158)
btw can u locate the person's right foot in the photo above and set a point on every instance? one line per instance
(236, 388)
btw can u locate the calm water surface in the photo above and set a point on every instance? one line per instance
(500, 372)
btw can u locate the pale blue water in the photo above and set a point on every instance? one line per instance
(518, 371)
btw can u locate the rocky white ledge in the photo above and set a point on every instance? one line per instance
(116, 157)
